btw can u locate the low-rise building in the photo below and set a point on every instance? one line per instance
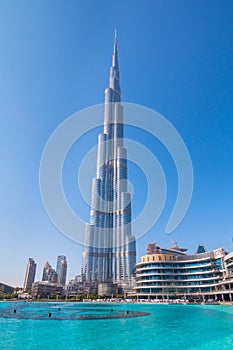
(46, 289)
(76, 287)
(170, 273)
(5, 289)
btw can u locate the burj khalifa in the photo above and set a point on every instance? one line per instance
(109, 253)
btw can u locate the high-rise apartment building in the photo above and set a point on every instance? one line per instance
(109, 254)
(30, 275)
(49, 274)
(61, 269)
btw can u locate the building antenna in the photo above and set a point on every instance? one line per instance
(174, 243)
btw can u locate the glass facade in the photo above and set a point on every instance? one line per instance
(61, 269)
(30, 275)
(175, 274)
(109, 253)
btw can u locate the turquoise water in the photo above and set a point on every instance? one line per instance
(166, 327)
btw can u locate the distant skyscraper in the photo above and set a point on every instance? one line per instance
(109, 253)
(30, 275)
(61, 269)
(49, 274)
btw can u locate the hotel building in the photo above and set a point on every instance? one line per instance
(170, 273)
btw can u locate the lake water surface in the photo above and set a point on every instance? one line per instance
(104, 326)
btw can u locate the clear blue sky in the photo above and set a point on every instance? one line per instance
(175, 57)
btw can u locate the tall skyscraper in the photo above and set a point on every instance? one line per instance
(109, 253)
(61, 269)
(49, 274)
(29, 275)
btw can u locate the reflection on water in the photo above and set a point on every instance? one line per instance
(45, 311)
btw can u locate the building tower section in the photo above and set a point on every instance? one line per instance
(29, 275)
(109, 254)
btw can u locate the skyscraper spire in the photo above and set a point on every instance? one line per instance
(109, 254)
(115, 41)
(114, 83)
